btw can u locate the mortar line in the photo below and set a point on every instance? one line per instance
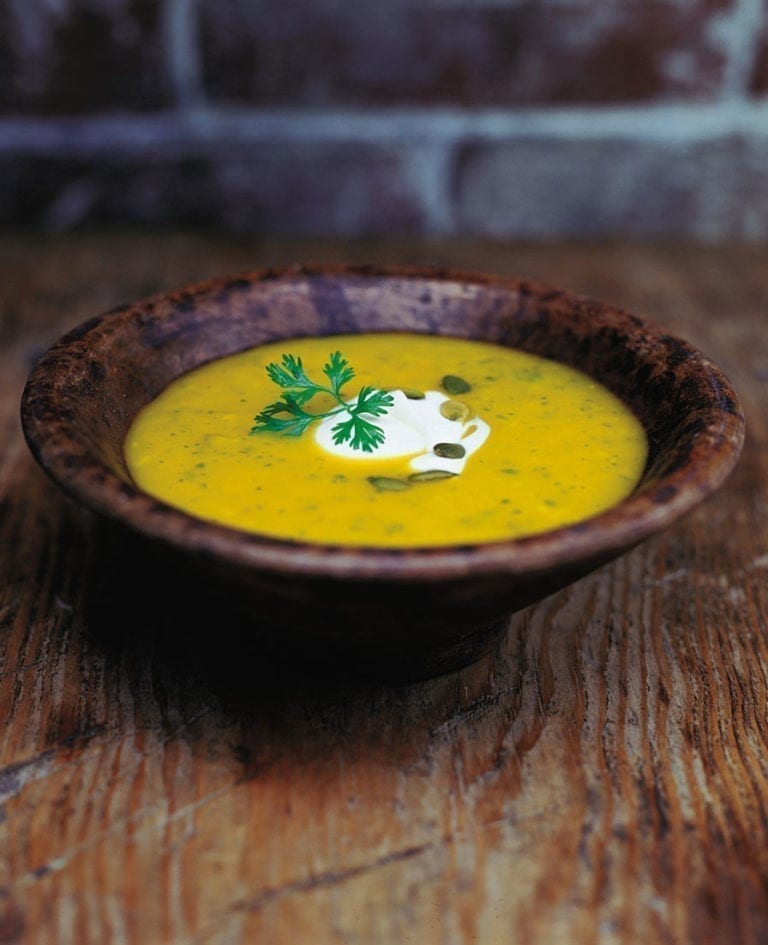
(203, 128)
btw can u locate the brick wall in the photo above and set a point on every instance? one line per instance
(513, 118)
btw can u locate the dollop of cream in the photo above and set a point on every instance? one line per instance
(413, 428)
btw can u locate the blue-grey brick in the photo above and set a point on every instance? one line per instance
(282, 188)
(559, 188)
(83, 56)
(468, 53)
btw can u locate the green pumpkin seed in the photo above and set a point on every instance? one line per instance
(449, 450)
(410, 392)
(452, 384)
(388, 484)
(431, 475)
(455, 410)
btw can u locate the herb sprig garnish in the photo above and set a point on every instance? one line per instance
(288, 416)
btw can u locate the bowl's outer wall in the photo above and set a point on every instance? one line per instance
(84, 393)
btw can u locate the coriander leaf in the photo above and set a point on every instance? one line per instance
(284, 416)
(338, 371)
(359, 433)
(373, 401)
(290, 373)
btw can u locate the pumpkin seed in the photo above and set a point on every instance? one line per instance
(454, 410)
(410, 392)
(449, 450)
(388, 484)
(452, 384)
(431, 475)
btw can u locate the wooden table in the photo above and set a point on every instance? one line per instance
(601, 778)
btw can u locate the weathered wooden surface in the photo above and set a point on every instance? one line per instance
(602, 778)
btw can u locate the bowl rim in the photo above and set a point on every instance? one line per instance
(712, 457)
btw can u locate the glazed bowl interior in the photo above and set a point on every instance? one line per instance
(85, 392)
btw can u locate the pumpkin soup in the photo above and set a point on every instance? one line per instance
(387, 440)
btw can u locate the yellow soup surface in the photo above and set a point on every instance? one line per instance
(561, 447)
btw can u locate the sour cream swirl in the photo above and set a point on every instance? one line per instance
(412, 428)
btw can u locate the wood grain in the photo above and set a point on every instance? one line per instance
(602, 777)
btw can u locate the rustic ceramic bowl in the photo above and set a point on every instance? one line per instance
(395, 613)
